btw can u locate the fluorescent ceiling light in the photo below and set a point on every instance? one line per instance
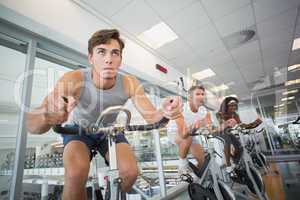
(288, 98)
(158, 35)
(277, 106)
(294, 67)
(290, 92)
(220, 88)
(296, 44)
(292, 82)
(204, 74)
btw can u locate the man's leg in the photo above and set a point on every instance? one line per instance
(183, 146)
(76, 159)
(198, 152)
(127, 165)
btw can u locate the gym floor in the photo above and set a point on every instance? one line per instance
(286, 184)
(290, 172)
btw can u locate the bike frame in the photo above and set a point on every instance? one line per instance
(247, 160)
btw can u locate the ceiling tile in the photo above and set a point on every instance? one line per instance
(252, 76)
(241, 91)
(205, 51)
(215, 58)
(204, 41)
(268, 8)
(284, 22)
(202, 35)
(107, 8)
(253, 71)
(227, 71)
(184, 61)
(174, 49)
(253, 66)
(196, 67)
(236, 21)
(279, 61)
(247, 54)
(188, 19)
(211, 83)
(273, 47)
(166, 9)
(217, 9)
(283, 36)
(133, 24)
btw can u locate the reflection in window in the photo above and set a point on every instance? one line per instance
(12, 66)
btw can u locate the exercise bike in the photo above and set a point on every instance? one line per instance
(210, 184)
(113, 189)
(245, 172)
(258, 158)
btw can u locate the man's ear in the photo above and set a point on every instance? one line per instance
(90, 58)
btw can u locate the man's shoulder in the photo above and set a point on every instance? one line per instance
(130, 78)
(75, 75)
(131, 82)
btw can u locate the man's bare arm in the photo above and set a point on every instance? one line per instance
(35, 120)
(54, 109)
(141, 101)
(171, 106)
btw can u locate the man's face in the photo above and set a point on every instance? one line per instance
(106, 59)
(197, 97)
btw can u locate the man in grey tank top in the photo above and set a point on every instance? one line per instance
(88, 93)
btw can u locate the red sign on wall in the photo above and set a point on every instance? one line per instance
(161, 68)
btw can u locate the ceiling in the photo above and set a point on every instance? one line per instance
(202, 27)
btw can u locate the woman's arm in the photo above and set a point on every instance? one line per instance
(252, 125)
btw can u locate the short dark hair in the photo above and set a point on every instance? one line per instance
(103, 37)
(195, 87)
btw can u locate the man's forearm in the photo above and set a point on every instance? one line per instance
(154, 117)
(182, 129)
(35, 122)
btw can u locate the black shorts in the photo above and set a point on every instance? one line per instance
(95, 142)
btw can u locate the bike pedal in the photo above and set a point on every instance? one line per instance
(186, 178)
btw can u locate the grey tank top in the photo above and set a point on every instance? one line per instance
(93, 101)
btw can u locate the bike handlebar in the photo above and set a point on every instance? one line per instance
(198, 131)
(107, 130)
(259, 131)
(195, 132)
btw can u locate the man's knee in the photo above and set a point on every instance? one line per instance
(77, 173)
(129, 173)
(183, 142)
(76, 159)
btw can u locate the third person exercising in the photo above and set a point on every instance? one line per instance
(195, 116)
